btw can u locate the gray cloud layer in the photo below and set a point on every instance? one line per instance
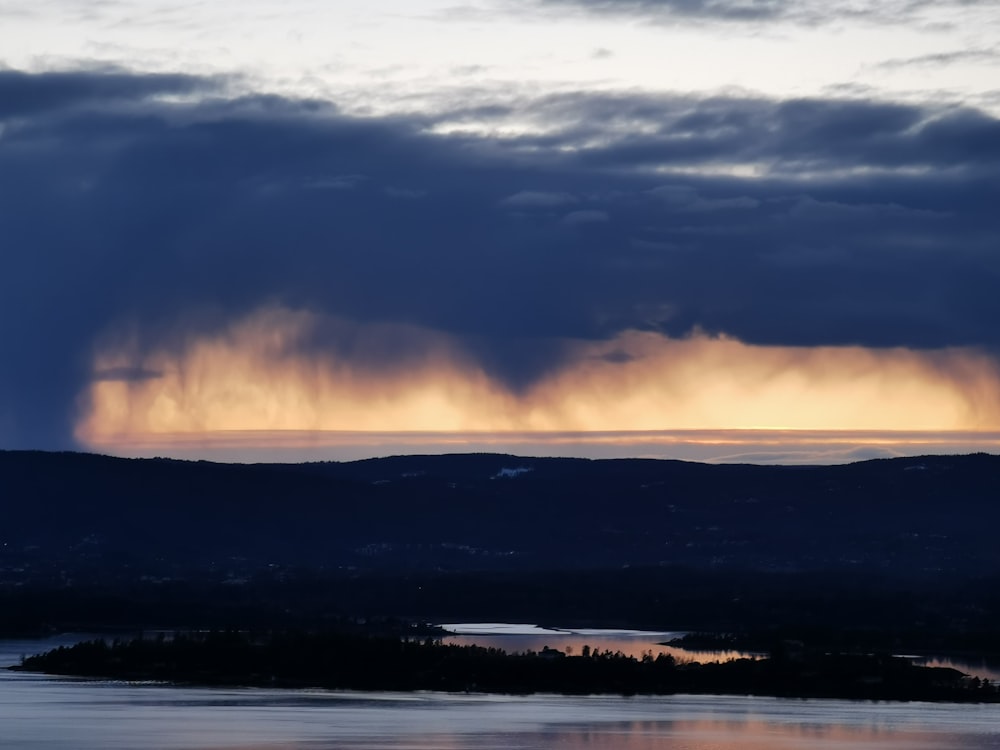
(788, 222)
(809, 12)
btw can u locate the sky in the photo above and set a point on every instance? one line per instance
(725, 230)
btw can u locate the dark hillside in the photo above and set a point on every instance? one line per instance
(921, 517)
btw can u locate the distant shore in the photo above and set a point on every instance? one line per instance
(378, 663)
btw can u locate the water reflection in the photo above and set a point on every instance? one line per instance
(44, 713)
(53, 714)
(635, 643)
(746, 735)
(976, 667)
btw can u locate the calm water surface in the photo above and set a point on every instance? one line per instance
(512, 637)
(516, 637)
(42, 713)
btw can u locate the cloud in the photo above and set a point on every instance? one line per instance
(587, 216)
(734, 10)
(683, 198)
(23, 94)
(333, 182)
(807, 12)
(404, 193)
(537, 199)
(125, 374)
(257, 375)
(942, 58)
(793, 136)
(160, 206)
(738, 135)
(617, 356)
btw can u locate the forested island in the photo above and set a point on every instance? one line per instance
(353, 661)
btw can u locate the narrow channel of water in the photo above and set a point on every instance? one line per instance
(517, 637)
(636, 643)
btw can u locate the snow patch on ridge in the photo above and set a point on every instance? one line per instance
(511, 473)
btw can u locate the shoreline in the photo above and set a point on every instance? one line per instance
(295, 660)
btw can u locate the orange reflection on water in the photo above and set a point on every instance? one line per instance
(748, 734)
(573, 644)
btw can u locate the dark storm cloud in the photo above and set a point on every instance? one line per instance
(793, 136)
(785, 222)
(24, 94)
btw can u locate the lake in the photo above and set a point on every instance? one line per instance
(47, 713)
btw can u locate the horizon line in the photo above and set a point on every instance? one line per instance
(758, 446)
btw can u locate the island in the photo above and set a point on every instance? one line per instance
(359, 661)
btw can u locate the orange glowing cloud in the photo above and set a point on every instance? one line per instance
(271, 372)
